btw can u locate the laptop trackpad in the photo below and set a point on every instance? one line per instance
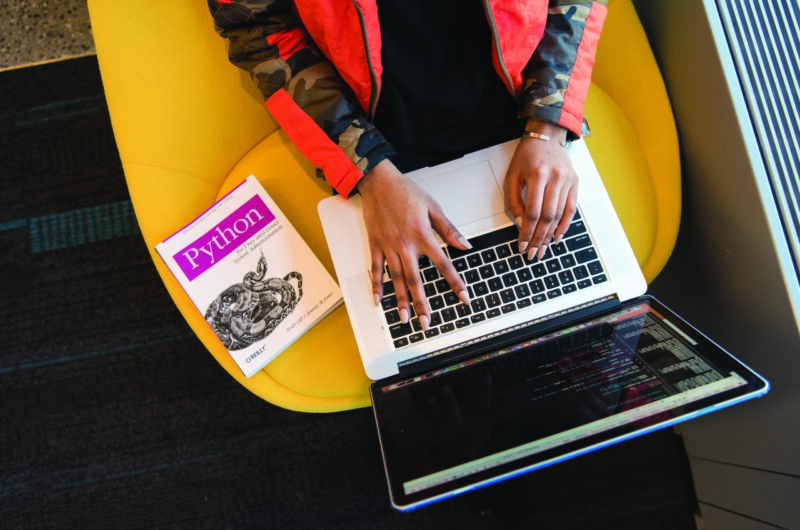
(467, 194)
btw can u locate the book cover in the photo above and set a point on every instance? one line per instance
(248, 271)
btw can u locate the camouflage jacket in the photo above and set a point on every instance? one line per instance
(318, 64)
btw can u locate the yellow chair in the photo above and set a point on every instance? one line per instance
(189, 126)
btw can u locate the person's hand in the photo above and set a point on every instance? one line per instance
(401, 220)
(541, 189)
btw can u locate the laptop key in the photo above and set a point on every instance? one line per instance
(488, 255)
(500, 267)
(599, 279)
(399, 343)
(522, 291)
(462, 323)
(480, 317)
(433, 332)
(586, 255)
(448, 314)
(569, 288)
(478, 305)
(578, 242)
(472, 276)
(553, 265)
(392, 317)
(508, 308)
(516, 262)
(450, 298)
(416, 337)
(400, 330)
(525, 302)
(493, 300)
(503, 251)
(510, 279)
(447, 328)
(492, 313)
(507, 295)
(463, 310)
(490, 239)
(474, 260)
(555, 293)
(389, 302)
(576, 227)
(538, 299)
(538, 270)
(437, 302)
(595, 268)
(431, 274)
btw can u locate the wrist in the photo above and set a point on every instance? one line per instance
(371, 180)
(550, 130)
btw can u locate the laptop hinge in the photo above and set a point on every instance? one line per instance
(506, 336)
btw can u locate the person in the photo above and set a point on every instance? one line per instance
(369, 90)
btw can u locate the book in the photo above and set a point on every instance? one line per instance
(249, 272)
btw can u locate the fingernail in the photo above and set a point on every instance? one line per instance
(463, 241)
(377, 298)
(542, 251)
(531, 253)
(518, 222)
(523, 246)
(464, 297)
(424, 321)
(404, 315)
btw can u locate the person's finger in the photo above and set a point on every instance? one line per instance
(452, 236)
(410, 260)
(447, 230)
(376, 273)
(512, 195)
(554, 205)
(570, 207)
(532, 214)
(400, 287)
(448, 271)
(538, 215)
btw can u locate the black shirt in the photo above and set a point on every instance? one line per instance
(441, 97)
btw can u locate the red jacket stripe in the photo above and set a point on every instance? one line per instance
(580, 78)
(289, 42)
(312, 141)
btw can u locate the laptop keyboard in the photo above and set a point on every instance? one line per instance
(500, 280)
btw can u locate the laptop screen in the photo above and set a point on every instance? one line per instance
(547, 398)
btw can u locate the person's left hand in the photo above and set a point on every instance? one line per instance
(541, 189)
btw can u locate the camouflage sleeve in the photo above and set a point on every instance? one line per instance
(268, 39)
(558, 75)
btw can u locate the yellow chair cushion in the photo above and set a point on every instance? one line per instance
(189, 126)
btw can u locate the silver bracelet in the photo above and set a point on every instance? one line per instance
(539, 136)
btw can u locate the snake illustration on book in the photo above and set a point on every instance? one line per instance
(247, 312)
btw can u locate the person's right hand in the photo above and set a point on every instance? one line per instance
(402, 220)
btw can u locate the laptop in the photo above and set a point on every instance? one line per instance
(552, 358)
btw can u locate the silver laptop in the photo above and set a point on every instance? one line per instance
(552, 359)
(593, 263)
